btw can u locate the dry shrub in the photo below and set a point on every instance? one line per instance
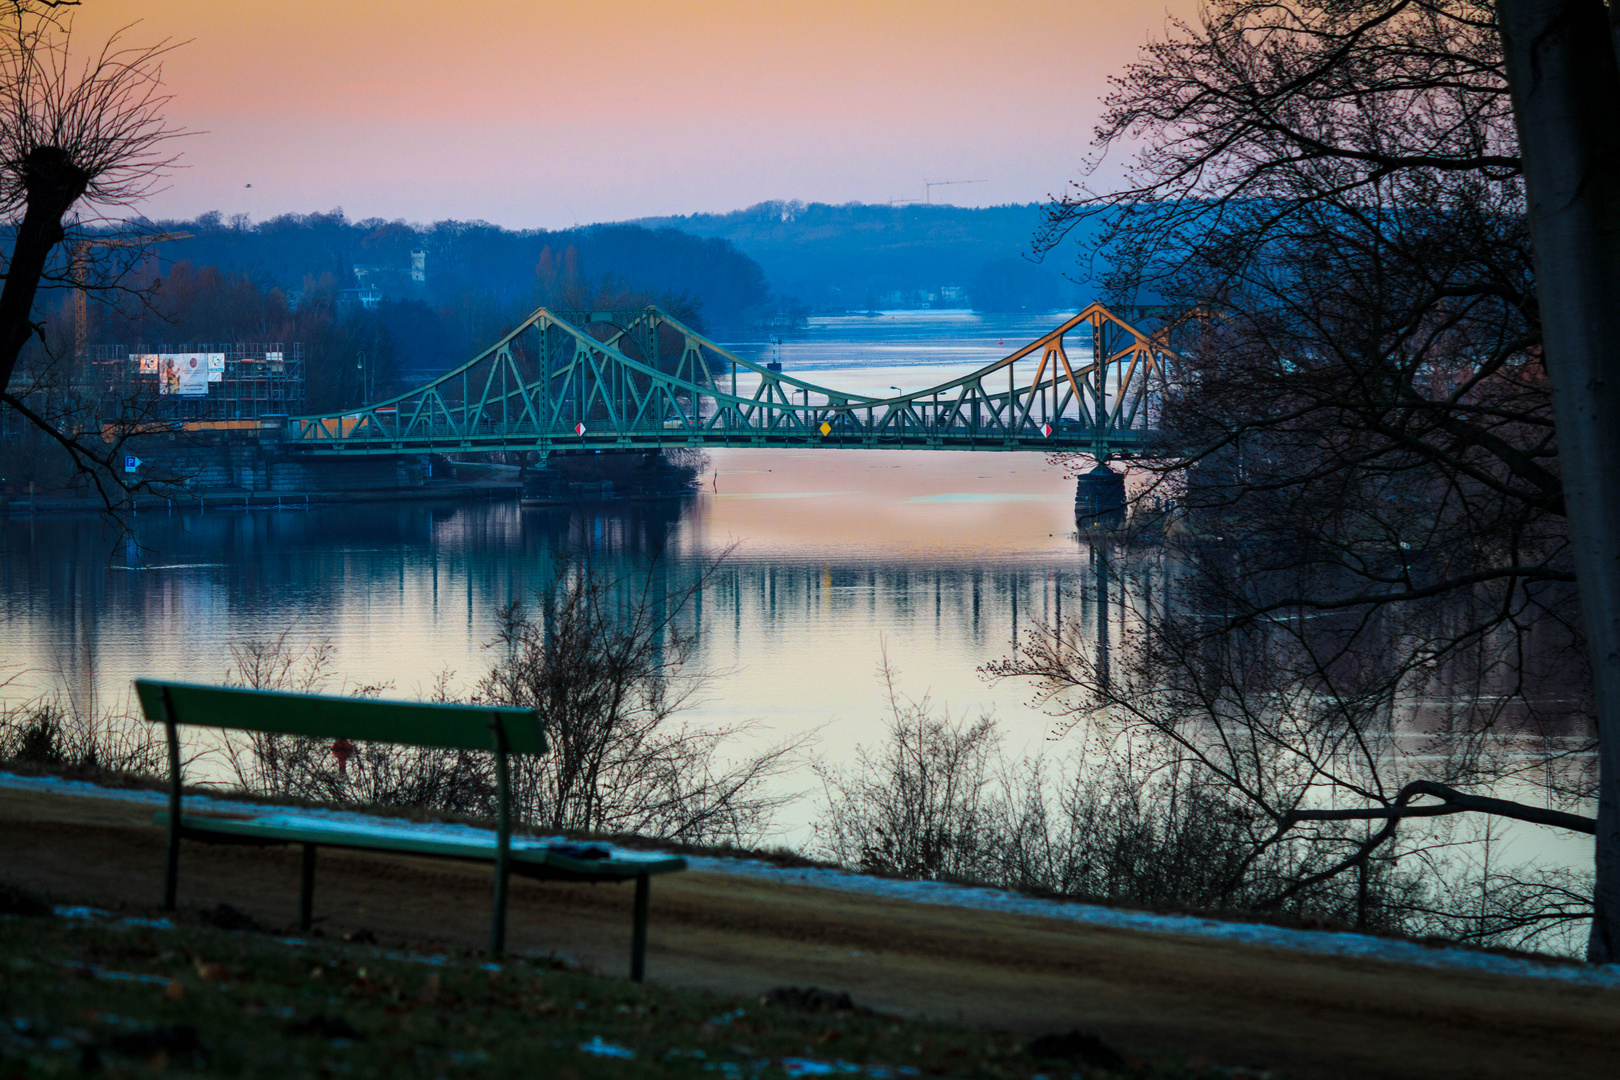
(607, 665)
(49, 733)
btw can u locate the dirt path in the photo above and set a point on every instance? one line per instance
(1310, 1015)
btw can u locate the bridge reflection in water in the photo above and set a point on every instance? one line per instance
(405, 591)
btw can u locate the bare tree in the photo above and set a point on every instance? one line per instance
(1368, 493)
(1133, 824)
(608, 665)
(77, 139)
(1306, 738)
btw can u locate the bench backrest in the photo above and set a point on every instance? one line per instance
(454, 727)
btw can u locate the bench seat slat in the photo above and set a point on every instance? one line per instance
(405, 840)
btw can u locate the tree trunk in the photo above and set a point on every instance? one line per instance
(1562, 71)
(52, 183)
(1614, 29)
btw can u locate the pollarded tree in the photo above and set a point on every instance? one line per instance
(77, 139)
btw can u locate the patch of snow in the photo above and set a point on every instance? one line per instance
(130, 976)
(62, 911)
(812, 1067)
(1332, 943)
(604, 1049)
(436, 959)
(980, 898)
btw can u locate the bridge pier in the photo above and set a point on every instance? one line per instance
(1099, 498)
(569, 476)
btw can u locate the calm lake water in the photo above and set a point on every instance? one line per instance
(835, 556)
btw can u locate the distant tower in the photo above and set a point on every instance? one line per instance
(419, 266)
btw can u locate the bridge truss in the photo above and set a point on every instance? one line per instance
(643, 379)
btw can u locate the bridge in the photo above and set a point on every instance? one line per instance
(607, 380)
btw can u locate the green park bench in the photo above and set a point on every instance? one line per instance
(502, 731)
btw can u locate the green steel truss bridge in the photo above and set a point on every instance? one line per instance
(605, 380)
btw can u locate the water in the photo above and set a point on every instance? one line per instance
(899, 350)
(835, 556)
(832, 559)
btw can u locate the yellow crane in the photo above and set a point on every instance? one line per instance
(81, 343)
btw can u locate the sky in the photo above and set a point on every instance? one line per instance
(535, 113)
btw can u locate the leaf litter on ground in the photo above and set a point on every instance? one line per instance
(189, 998)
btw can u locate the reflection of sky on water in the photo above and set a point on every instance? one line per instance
(935, 556)
(795, 620)
(818, 583)
(909, 349)
(939, 557)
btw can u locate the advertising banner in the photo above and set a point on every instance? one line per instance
(216, 367)
(183, 374)
(148, 362)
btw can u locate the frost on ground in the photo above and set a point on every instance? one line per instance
(1331, 943)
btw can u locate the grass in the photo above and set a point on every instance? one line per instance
(119, 996)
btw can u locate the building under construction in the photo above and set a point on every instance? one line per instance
(202, 382)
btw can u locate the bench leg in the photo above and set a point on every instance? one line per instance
(503, 843)
(638, 933)
(497, 922)
(171, 867)
(306, 890)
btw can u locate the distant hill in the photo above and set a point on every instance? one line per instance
(460, 258)
(442, 291)
(860, 256)
(429, 296)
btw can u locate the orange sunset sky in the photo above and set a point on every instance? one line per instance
(536, 113)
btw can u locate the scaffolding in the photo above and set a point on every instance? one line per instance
(259, 380)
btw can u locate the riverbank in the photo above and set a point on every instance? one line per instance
(457, 482)
(250, 499)
(1307, 1014)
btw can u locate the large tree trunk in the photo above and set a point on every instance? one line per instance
(1566, 99)
(52, 183)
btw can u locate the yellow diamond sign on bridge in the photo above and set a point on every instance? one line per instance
(826, 428)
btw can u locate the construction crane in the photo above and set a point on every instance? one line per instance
(930, 185)
(81, 341)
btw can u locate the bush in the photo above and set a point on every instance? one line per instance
(47, 733)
